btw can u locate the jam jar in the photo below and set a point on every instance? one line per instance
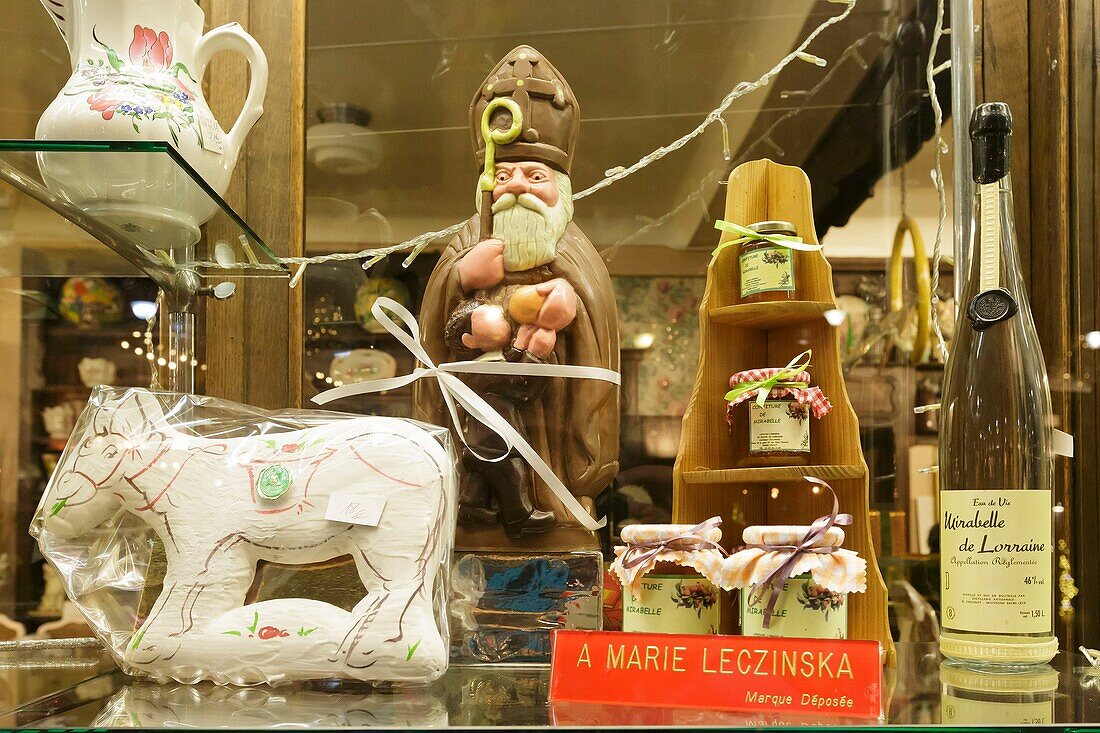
(765, 270)
(804, 610)
(666, 588)
(777, 432)
(811, 604)
(672, 599)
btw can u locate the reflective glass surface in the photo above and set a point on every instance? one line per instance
(76, 688)
(140, 199)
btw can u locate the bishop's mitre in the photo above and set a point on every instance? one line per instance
(550, 113)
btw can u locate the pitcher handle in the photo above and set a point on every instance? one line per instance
(232, 37)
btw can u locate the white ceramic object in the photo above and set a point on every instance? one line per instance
(137, 75)
(221, 504)
(341, 148)
(94, 372)
(361, 365)
(53, 593)
(59, 420)
(330, 219)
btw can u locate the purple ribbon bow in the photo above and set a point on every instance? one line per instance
(775, 581)
(639, 553)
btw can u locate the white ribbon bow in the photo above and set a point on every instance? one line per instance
(455, 390)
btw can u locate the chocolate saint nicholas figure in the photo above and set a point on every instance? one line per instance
(534, 291)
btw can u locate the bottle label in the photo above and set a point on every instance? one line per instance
(766, 269)
(672, 604)
(964, 711)
(996, 565)
(779, 425)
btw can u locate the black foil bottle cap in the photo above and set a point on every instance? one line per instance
(991, 138)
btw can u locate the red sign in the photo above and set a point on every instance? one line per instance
(830, 677)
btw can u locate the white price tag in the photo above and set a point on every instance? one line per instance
(355, 509)
(211, 134)
(1063, 444)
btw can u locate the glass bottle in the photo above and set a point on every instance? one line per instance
(1005, 697)
(996, 460)
(766, 271)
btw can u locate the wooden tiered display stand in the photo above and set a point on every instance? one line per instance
(736, 337)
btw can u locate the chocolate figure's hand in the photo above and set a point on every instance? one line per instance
(489, 329)
(559, 306)
(542, 342)
(482, 267)
(538, 342)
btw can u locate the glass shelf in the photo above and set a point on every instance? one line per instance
(140, 199)
(77, 688)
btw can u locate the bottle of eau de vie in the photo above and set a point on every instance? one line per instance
(996, 460)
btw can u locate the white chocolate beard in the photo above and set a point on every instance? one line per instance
(530, 237)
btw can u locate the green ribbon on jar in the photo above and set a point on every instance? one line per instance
(782, 378)
(748, 235)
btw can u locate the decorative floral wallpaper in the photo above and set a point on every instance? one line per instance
(663, 311)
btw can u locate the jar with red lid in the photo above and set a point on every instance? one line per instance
(770, 411)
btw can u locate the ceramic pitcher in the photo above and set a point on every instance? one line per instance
(137, 72)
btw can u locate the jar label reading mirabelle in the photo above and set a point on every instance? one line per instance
(672, 604)
(779, 425)
(996, 561)
(766, 269)
(804, 610)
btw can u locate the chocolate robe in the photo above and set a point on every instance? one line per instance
(575, 425)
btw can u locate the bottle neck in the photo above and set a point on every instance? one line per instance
(995, 288)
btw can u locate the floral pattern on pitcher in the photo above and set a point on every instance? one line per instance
(143, 87)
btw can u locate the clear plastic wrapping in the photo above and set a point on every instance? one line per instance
(179, 524)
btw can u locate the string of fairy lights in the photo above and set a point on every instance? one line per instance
(144, 346)
(703, 190)
(931, 71)
(420, 242)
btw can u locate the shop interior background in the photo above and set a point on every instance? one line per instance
(401, 73)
